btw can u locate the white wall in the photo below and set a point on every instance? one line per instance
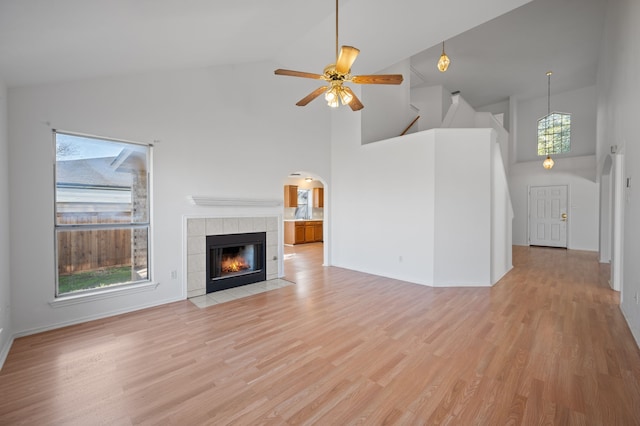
(433, 103)
(460, 114)
(231, 131)
(576, 169)
(576, 172)
(382, 204)
(387, 110)
(412, 208)
(5, 264)
(488, 120)
(501, 218)
(580, 103)
(618, 110)
(502, 107)
(462, 243)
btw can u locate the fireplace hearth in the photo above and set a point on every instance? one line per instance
(234, 260)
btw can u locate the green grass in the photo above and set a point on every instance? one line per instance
(86, 280)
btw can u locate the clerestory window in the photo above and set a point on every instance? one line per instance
(102, 217)
(554, 133)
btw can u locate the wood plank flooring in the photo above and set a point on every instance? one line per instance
(546, 345)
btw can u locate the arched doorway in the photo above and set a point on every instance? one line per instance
(306, 223)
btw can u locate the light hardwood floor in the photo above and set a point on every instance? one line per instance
(546, 345)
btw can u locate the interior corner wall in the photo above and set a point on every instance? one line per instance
(6, 333)
(460, 114)
(387, 109)
(499, 108)
(618, 108)
(239, 139)
(433, 103)
(501, 219)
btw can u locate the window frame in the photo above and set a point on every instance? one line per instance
(545, 145)
(134, 286)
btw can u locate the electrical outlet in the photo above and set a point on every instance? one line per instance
(174, 275)
(636, 298)
(400, 259)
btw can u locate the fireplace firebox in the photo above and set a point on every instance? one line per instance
(235, 259)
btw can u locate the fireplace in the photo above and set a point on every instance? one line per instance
(233, 260)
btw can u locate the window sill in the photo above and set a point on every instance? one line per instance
(76, 299)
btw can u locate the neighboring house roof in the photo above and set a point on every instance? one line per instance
(92, 172)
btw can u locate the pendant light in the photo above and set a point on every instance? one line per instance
(548, 162)
(444, 61)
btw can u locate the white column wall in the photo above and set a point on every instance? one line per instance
(462, 243)
(5, 253)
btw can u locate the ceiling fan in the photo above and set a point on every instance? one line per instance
(339, 73)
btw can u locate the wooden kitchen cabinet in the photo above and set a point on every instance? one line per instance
(293, 233)
(317, 231)
(302, 231)
(291, 196)
(318, 198)
(309, 232)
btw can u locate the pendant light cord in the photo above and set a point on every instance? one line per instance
(549, 92)
(546, 130)
(336, 31)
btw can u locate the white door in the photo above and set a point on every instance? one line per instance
(548, 216)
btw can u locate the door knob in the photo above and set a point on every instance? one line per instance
(564, 217)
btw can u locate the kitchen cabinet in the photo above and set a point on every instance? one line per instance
(302, 231)
(291, 196)
(317, 231)
(318, 198)
(309, 233)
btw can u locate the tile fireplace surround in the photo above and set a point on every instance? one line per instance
(199, 228)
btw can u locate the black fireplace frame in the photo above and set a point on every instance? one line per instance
(230, 240)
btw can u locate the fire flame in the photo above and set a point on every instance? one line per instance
(234, 264)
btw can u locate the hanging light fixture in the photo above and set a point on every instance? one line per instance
(444, 61)
(337, 93)
(548, 162)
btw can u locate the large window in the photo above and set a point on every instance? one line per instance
(554, 133)
(102, 221)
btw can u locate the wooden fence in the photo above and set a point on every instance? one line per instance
(84, 250)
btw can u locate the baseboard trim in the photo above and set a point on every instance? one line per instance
(635, 333)
(75, 321)
(5, 351)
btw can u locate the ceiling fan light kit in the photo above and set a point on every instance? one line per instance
(337, 74)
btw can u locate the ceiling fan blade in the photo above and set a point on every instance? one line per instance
(298, 74)
(378, 79)
(355, 103)
(311, 96)
(348, 55)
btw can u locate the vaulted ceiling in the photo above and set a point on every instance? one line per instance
(45, 41)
